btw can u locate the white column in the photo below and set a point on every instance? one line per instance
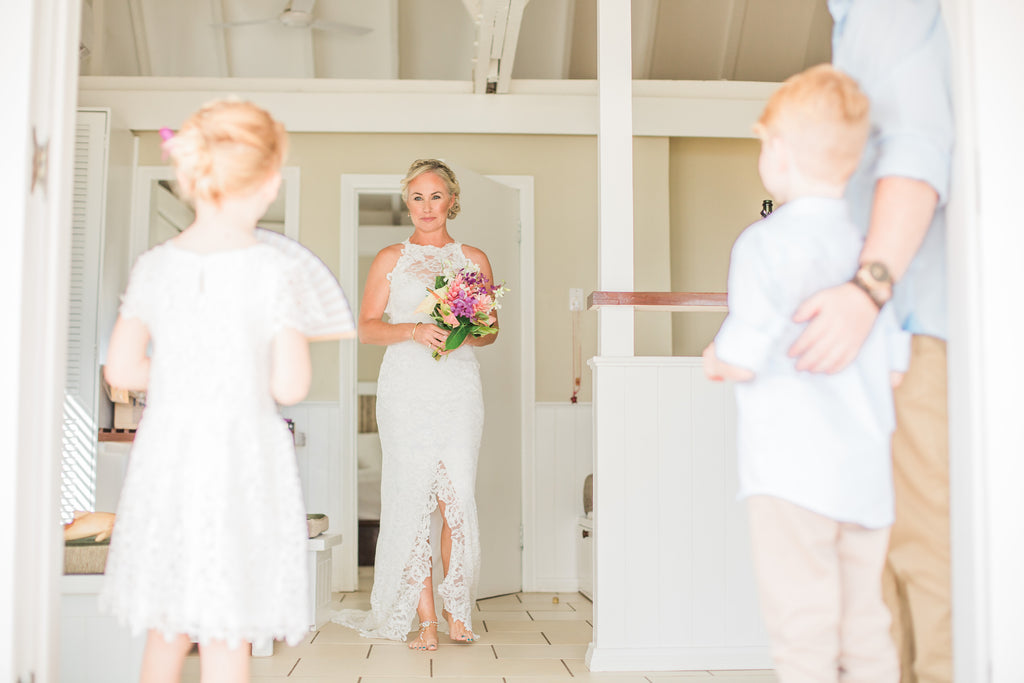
(615, 328)
(986, 240)
(615, 173)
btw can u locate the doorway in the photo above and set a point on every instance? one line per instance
(373, 216)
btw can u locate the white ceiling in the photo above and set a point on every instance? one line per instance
(452, 40)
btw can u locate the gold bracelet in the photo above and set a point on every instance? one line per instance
(414, 327)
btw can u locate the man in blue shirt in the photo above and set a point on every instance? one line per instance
(898, 52)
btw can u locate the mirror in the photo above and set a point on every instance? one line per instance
(159, 212)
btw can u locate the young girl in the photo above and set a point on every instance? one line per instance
(210, 539)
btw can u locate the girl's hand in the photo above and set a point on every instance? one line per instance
(712, 366)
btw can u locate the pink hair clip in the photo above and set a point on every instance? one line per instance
(165, 134)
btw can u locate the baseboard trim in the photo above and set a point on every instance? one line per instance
(677, 658)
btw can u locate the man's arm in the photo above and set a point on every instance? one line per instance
(841, 317)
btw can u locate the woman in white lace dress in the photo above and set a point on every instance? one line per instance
(210, 538)
(430, 416)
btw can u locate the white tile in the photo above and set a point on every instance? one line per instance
(334, 634)
(502, 667)
(744, 676)
(445, 650)
(579, 670)
(563, 615)
(537, 625)
(513, 651)
(670, 676)
(328, 664)
(568, 632)
(432, 679)
(503, 602)
(515, 637)
(502, 615)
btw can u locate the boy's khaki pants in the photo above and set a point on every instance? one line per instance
(819, 584)
(916, 583)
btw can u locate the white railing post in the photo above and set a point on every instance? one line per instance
(615, 173)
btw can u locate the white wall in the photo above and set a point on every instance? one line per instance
(563, 457)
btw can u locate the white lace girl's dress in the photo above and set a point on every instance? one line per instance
(430, 415)
(211, 535)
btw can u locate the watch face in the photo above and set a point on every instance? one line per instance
(879, 272)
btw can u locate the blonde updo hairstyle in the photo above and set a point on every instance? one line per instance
(226, 149)
(442, 171)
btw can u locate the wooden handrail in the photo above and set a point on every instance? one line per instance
(660, 301)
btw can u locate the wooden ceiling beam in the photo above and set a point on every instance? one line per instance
(733, 36)
(510, 41)
(645, 24)
(497, 25)
(220, 37)
(570, 15)
(141, 42)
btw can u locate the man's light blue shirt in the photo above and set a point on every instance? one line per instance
(898, 52)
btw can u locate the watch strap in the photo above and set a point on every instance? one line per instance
(877, 298)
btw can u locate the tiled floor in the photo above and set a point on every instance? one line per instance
(532, 637)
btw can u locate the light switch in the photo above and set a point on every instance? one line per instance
(575, 299)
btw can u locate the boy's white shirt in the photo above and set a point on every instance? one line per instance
(819, 441)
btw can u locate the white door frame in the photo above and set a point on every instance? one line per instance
(145, 175)
(39, 47)
(352, 185)
(985, 364)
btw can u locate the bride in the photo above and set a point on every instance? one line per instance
(430, 417)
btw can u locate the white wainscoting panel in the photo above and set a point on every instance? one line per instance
(673, 584)
(325, 479)
(563, 457)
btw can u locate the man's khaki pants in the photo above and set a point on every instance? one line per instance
(916, 583)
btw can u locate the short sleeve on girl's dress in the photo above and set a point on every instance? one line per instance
(136, 302)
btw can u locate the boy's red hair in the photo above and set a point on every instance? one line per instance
(823, 117)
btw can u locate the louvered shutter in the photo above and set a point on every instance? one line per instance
(78, 462)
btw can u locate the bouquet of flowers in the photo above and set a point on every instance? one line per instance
(463, 302)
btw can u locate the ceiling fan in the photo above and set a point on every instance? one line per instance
(299, 14)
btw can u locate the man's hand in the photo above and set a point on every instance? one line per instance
(841, 319)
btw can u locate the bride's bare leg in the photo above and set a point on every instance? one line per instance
(427, 638)
(457, 631)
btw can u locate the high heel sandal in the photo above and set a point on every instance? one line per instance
(424, 625)
(470, 636)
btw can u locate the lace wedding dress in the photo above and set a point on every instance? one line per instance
(210, 538)
(430, 415)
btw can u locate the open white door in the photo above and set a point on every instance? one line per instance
(39, 50)
(490, 221)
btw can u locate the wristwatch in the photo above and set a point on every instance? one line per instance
(876, 281)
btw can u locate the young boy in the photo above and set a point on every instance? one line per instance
(814, 449)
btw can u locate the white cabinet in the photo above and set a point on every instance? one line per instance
(585, 555)
(98, 262)
(78, 453)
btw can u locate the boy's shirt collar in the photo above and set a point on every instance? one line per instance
(839, 9)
